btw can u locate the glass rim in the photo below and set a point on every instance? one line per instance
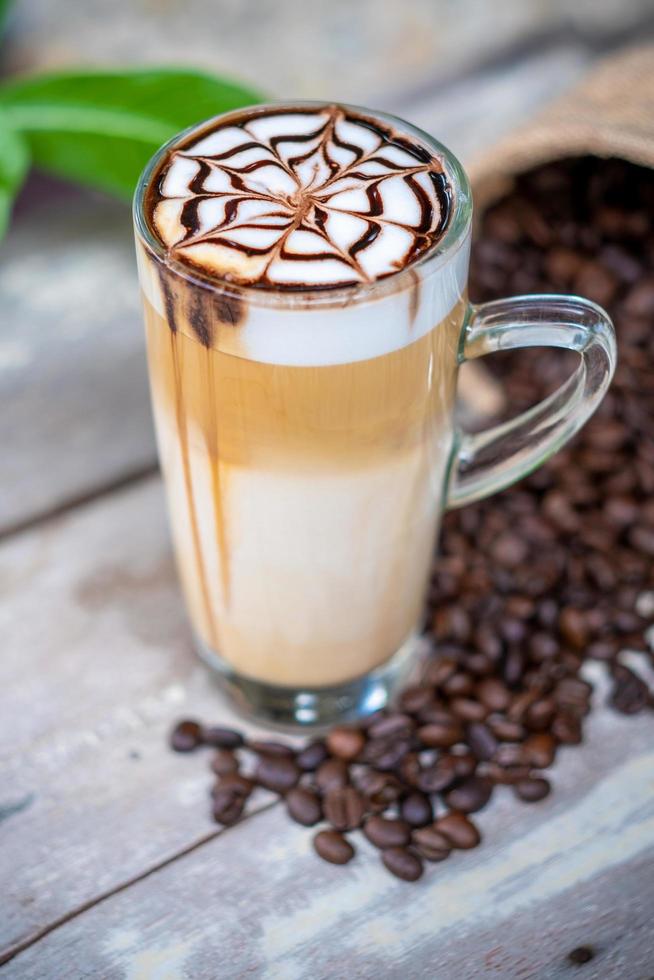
(426, 265)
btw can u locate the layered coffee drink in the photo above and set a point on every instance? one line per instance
(302, 341)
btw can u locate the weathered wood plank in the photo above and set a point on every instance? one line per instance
(575, 870)
(72, 367)
(409, 45)
(96, 663)
(470, 114)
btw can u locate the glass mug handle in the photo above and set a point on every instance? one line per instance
(495, 458)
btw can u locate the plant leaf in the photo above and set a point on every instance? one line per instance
(100, 128)
(14, 161)
(4, 11)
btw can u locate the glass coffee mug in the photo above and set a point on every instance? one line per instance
(308, 442)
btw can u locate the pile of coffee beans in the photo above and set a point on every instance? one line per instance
(527, 586)
(406, 779)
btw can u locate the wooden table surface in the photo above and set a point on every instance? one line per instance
(111, 866)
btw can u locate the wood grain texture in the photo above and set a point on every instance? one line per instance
(470, 114)
(73, 388)
(575, 870)
(341, 51)
(97, 665)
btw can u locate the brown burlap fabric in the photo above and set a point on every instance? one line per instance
(609, 114)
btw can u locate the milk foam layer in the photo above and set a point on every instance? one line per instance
(315, 327)
(313, 197)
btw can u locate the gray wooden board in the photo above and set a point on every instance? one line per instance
(97, 663)
(73, 386)
(75, 415)
(334, 50)
(576, 870)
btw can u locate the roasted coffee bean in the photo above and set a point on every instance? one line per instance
(488, 642)
(186, 736)
(506, 730)
(413, 699)
(438, 776)
(392, 726)
(304, 805)
(562, 265)
(224, 761)
(451, 622)
(580, 955)
(509, 754)
(345, 742)
(630, 693)
(493, 694)
(464, 763)
(312, 756)
(505, 775)
(227, 807)
(387, 832)
(441, 735)
(574, 627)
(573, 693)
(481, 740)
(365, 723)
(459, 686)
(471, 795)
(468, 709)
(416, 809)
(277, 773)
(431, 844)
(513, 631)
(542, 646)
(539, 715)
(403, 863)
(458, 830)
(641, 538)
(521, 704)
(509, 550)
(532, 790)
(344, 808)
(380, 788)
(222, 738)
(566, 728)
(539, 750)
(229, 796)
(332, 774)
(410, 768)
(435, 713)
(236, 782)
(333, 847)
(513, 668)
(386, 753)
(277, 749)
(439, 670)
(479, 664)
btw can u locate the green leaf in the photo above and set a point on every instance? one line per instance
(14, 161)
(4, 10)
(100, 128)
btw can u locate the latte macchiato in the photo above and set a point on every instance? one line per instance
(303, 270)
(303, 371)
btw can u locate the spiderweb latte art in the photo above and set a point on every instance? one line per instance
(301, 198)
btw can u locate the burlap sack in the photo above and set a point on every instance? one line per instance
(609, 114)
